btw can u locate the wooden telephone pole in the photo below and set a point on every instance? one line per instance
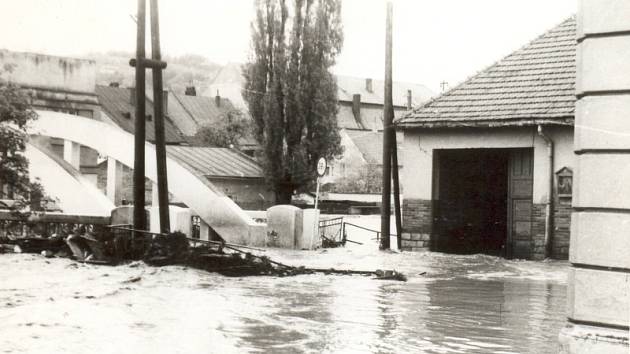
(390, 147)
(388, 117)
(141, 63)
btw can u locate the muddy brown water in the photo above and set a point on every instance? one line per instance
(463, 304)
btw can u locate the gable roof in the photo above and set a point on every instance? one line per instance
(533, 85)
(189, 113)
(347, 86)
(116, 103)
(215, 162)
(370, 144)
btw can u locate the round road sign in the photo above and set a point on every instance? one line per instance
(321, 166)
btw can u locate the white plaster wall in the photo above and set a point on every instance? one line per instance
(419, 147)
(50, 71)
(597, 16)
(597, 123)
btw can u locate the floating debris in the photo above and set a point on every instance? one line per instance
(158, 249)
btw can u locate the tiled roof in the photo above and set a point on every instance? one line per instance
(216, 162)
(190, 113)
(116, 103)
(346, 119)
(534, 85)
(370, 144)
(347, 86)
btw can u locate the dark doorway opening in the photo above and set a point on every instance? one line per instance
(472, 201)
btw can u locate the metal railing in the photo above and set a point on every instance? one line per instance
(46, 225)
(332, 232)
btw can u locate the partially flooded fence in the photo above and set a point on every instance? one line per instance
(47, 224)
(332, 232)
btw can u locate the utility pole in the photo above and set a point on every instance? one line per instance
(139, 222)
(141, 63)
(388, 117)
(396, 183)
(158, 112)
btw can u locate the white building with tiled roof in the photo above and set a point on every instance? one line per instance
(488, 163)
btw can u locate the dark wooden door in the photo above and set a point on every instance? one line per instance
(520, 193)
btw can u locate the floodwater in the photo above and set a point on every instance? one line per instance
(463, 304)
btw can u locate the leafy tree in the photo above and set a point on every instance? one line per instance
(225, 133)
(15, 114)
(290, 92)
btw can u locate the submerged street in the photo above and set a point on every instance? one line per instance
(463, 304)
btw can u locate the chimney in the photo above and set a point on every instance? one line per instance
(217, 99)
(132, 96)
(356, 108)
(165, 102)
(368, 85)
(409, 97)
(190, 91)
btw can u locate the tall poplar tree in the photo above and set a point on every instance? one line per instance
(290, 92)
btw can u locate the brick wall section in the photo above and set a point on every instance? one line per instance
(562, 229)
(417, 224)
(538, 231)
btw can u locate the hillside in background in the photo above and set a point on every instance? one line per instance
(182, 71)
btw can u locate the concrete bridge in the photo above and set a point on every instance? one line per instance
(202, 197)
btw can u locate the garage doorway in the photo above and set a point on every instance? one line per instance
(483, 201)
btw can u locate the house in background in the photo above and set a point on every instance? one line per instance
(240, 179)
(235, 174)
(360, 115)
(53, 83)
(190, 113)
(361, 101)
(228, 83)
(488, 164)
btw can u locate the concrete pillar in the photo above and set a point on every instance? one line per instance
(599, 277)
(204, 231)
(114, 179)
(72, 153)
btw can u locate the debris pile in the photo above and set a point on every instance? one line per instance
(157, 249)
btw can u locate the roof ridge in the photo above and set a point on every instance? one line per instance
(533, 65)
(486, 69)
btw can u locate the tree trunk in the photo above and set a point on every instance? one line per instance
(284, 194)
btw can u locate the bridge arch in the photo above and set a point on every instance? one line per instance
(207, 201)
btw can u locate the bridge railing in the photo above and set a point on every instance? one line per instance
(48, 224)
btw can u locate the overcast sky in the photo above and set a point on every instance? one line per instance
(434, 40)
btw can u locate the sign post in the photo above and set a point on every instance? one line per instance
(321, 170)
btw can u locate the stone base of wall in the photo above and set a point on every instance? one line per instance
(417, 224)
(415, 241)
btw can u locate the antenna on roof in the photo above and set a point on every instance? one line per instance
(444, 86)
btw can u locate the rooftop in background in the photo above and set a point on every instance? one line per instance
(117, 104)
(189, 113)
(533, 85)
(372, 91)
(369, 143)
(229, 81)
(216, 162)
